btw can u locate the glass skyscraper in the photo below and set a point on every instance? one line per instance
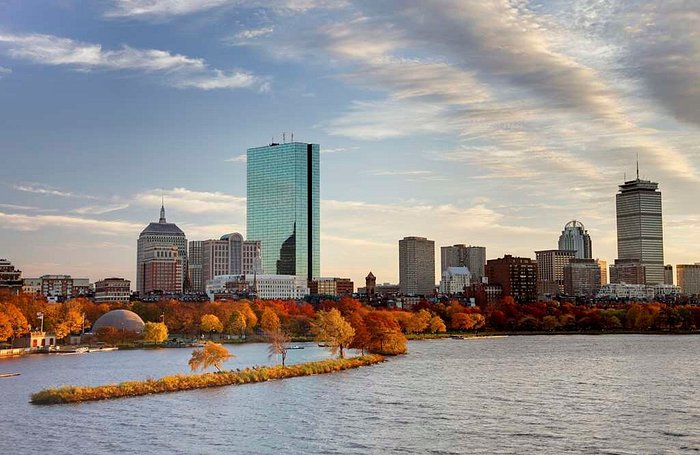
(284, 207)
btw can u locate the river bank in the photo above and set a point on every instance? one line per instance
(175, 383)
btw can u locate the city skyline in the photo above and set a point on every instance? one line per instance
(82, 179)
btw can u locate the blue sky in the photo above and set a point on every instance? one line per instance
(490, 123)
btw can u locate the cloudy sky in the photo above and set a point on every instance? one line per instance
(483, 122)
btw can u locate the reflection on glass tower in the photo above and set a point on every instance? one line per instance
(284, 207)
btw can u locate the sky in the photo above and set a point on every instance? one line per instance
(481, 122)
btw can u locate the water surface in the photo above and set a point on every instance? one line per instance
(625, 394)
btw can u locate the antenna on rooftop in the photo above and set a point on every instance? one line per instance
(637, 165)
(284, 137)
(292, 137)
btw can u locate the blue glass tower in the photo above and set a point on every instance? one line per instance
(284, 207)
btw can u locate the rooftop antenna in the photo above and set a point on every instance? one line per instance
(284, 137)
(292, 137)
(637, 165)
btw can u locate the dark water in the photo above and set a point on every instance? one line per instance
(555, 395)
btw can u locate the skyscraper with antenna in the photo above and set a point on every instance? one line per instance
(640, 228)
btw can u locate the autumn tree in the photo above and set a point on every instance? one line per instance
(210, 323)
(155, 332)
(212, 354)
(279, 344)
(269, 321)
(385, 336)
(251, 320)
(362, 338)
(462, 321)
(419, 322)
(331, 328)
(437, 325)
(5, 326)
(16, 319)
(236, 324)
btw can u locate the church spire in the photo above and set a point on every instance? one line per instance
(162, 210)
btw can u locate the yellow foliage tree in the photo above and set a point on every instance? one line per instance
(330, 327)
(251, 320)
(236, 323)
(418, 322)
(269, 321)
(5, 326)
(437, 325)
(155, 332)
(210, 323)
(212, 354)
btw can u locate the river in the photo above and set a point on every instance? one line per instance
(617, 394)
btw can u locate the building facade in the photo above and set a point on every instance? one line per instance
(10, 278)
(575, 238)
(460, 255)
(550, 270)
(215, 259)
(688, 276)
(639, 227)
(161, 233)
(283, 207)
(603, 271)
(161, 269)
(668, 274)
(264, 286)
(455, 280)
(194, 266)
(628, 271)
(516, 276)
(416, 266)
(582, 277)
(112, 290)
(332, 286)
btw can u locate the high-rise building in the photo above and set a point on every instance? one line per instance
(668, 274)
(460, 255)
(10, 278)
(603, 271)
(575, 238)
(582, 277)
(161, 269)
(688, 276)
(416, 266)
(550, 270)
(243, 254)
(57, 287)
(194, 266)
(161, 233)
(283, 207)
(639, 227)
(215, 259)
(517, 277)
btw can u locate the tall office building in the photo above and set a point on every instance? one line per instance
(460, 255)
(243, 254)
(550, 270)
(688, 276)
(161, 233)
(517, 277)
(416, 266)
(215, 259)
(582, 277)
(575, 237)
(194, 266)
(603, 271)
(284, 208)
(10, 278)
(639, 227)
(668, 274)
(161, 269)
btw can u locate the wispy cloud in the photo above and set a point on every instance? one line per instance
(24, 222)
(48, 191)
(100, 209)
(174, 69)
(398, 172)
(190, 201)
(242, 158)
(254, 33)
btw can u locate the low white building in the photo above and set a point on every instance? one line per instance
(265, 286)
(455, 280)
(663, 290)
(626, 291)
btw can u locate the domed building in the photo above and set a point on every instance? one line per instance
(120, 320)
(161, 258)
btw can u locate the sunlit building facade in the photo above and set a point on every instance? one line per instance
(575, 238)
(283, 207)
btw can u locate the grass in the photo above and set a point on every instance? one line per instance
(175, 383)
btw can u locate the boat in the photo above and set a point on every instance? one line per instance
(295, 347)
(8, 375)
(323, 345)
(104, 349)
(457, 337)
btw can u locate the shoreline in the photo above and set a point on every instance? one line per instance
(448, 335)
(181, 382)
